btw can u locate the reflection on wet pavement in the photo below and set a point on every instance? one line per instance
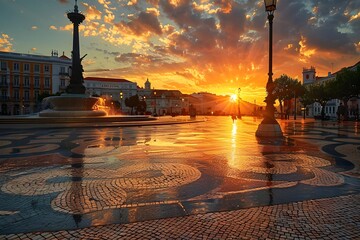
(70, 178)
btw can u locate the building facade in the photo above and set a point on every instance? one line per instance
(313, 110)
(111, 90)
(23, 77)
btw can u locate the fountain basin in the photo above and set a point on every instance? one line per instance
(71, 105)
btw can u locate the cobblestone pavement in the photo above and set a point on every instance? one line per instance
(336, 218)
(211, 180)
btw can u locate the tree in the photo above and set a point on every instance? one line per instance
(306, 99)
(141, 107)
(287, 88)
(346, 85)
(281, 90)
(132, 102)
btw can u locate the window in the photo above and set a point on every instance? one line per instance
(3, 66)
(16, 94)
(47, 82)
(16, 66)
(26, 67)
(4, 94)
(37, 68)
(16, 80)
(46, 68)
(62, 82)
(36, 95)
(26, 81)
(62, 70)
(3, 80)
(36, 81)
(26, 95)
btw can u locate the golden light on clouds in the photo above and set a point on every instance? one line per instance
(357, 45)
(199, 45)
(132, 2)
(289, 46)
(305, 51)
(354, 17)
(91, 12)
(5, 43)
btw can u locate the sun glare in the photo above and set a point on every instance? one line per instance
(233, 98)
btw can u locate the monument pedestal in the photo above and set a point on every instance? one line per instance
(269, 130)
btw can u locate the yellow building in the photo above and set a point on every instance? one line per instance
(23, 77)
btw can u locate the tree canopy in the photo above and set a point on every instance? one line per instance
(287, 88)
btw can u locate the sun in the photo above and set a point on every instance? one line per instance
(233, 98)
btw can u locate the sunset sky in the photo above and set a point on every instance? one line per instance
(215, 46)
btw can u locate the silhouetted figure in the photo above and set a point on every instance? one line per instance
(233, 117)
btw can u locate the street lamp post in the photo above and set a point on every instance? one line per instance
(121, 101)
(155, 114)
(269, 127)
(238, 98)
(294, 105)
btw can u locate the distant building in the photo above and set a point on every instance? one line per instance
(309, 77)
(23, 77)
(112, 89)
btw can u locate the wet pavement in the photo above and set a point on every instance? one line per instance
(206, 180)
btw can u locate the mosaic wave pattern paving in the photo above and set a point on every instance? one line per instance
(63, 179)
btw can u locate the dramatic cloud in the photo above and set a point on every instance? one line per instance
(5, 43)
(222, 45)
(91, 12)
(215, 45)
(145, 24)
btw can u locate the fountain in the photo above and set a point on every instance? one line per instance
(74, 108)
(73, 103)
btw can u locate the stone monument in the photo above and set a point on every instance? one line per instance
(74, 103)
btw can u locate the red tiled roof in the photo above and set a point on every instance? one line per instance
(105, 79)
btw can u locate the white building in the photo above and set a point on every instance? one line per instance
(309, 77)
(111, 89)
(163, 102)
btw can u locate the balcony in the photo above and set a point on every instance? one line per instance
(65, 74)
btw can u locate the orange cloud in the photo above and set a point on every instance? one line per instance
(218, 46)
(305, 51)
(91, 12)
(5, 43)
